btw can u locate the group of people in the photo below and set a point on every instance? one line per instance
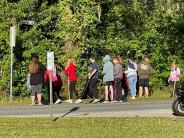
(116, 79)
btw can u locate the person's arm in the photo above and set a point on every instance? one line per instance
(67, 70)
(169, 79)
(94, 70)
(104, 69)
(92, 73)
(151, 70)
(135, 65)
(178, 71)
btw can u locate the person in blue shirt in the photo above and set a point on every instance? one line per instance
(93, 77)
(93, 81)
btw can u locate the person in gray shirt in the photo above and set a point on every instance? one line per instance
(108, 78)
(118, 76)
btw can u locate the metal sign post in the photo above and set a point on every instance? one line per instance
(12, 44)
(50, 68)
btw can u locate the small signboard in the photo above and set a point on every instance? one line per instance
(50, 60)
(12, 36)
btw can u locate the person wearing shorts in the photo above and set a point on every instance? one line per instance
(108, 78)
(144, 82)
(36, 71)
(144, 72)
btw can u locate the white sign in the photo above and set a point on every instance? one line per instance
(12, 36)
(28, 22)
(50, 60)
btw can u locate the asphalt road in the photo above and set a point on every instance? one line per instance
(126, 109)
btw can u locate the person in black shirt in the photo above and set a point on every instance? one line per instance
(36, 71)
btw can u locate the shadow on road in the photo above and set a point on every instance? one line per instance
(71, 110)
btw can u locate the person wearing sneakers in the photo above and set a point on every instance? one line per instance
(108, 78)
(56, 83)
(132, 77)
(93, 77)
(70, 70)
(36, 71)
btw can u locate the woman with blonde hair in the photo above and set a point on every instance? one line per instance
(70, 70)
(36, 71)
(174, 77)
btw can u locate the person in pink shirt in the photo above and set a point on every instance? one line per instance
(174, 77)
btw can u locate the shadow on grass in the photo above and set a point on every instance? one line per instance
(71, 110)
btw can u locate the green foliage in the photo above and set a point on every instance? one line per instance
(80, 28)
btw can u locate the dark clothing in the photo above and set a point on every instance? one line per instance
(93, 87)
(109, 83)
(85, 93)
(73, 90)
(56, 92)
(36, 89)
(93, 67)
(56, 89)
(38, 77)
(118, 89)
(144, 82)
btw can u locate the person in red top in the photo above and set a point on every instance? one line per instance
(70, 70)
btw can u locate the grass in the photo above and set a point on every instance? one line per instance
(157, 94)
(92, 127)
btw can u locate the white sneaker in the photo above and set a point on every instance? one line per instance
(78, 101)
(58, 101)
(40, 104)
(106, 101)
(133, 97)
(96, 101)
(113, 101)
(69, 101)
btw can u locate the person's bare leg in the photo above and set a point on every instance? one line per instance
(106, 93)
(33, 99)
(146, 92)
(39, 98)
(140, 91)
(112, 92)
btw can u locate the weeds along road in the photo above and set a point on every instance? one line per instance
(125, 109)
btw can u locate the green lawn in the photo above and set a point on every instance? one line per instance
(92, 127)
(157, 94)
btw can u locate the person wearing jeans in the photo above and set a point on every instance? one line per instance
(132, 77)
